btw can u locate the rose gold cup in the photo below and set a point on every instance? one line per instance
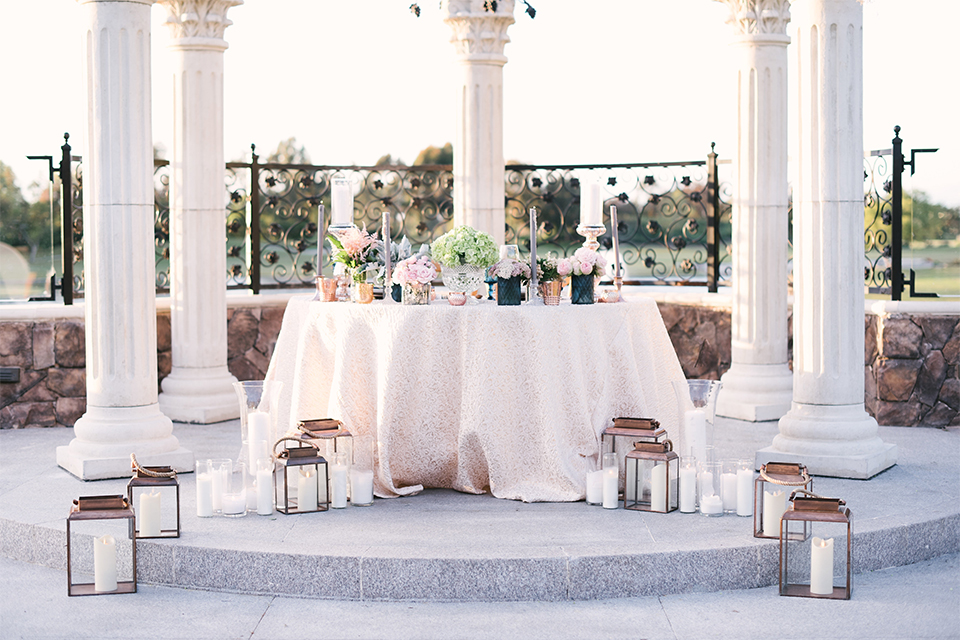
(326, 289)
(457, 298)
(365, 289)
(550, 291)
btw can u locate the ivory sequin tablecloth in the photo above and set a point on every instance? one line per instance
(510, 400)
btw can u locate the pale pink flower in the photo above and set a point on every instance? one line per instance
(564, 267)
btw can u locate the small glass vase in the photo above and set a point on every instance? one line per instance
(508, 291)
(416, 293)
(550, 292)
(581, 289)
(465, 278)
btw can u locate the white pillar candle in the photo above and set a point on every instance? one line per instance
(688, 490)
(361, 486)
(204, 495)
(711, 504)
(611, 498)
(595, 487)
(821, 566)
(658, 488)
(342, 201)
(307, 490)
(338, 488)
(744, 492)
(695, 434)
(234, 503)
(706, 484)
(264, 492)
(258, 434)
(148, 515)
(590, 204)
(105, 563)
(728, 491)
(218, 479)
(774, 504)
(616, 241)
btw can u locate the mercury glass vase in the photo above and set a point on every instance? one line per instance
(550, 291)
(508, 291)
(416, 293)
(581, 289)
(465, 278)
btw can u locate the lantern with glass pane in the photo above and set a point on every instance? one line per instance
(652, 477)
(154, 493)
(627, 431)
(98, 528)
(329, 435)
(302, 477)
(771, 491)
(816, 547)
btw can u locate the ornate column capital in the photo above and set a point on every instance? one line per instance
(479, 27)
(198, 23)
(759, 17)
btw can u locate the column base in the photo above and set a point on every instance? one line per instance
(831, 440)
(106, 436)
(200, 396)
(756, 392)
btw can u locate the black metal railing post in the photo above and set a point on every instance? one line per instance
(254, 227)
(896, 222)
(713, 221)
(66, 220)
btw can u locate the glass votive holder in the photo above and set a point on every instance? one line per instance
(457, 298)
(219, 470)
(339, 474)
(204, 479)
(235, 491)
(688, 484)
(728, 485)
(595, 487)
(361, 471)
(711, 501)
(611, 481)
(745, 482)
(263, 484)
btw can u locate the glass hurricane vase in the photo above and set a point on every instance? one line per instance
(465, 278)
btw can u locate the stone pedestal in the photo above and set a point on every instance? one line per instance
(759, 384)
(199, 387)
(827, 427)
(123, 415)
(479, 36)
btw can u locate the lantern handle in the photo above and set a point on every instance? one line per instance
(810, 494)
(803, 475)
(283, 454)
(668, 445)
(137, 469)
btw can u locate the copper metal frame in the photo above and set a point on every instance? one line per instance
(144, 482)
(786, 474)
(101, 508)
(323, 429)
(658, 452)
(808, 511)
(634, 429)
(294, 458)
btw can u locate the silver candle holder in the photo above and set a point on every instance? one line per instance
(591, 232)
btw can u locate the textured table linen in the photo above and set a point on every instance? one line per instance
(510, 400)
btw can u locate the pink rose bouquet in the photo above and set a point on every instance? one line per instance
(420, 269)
(586, 262)
(510, 268)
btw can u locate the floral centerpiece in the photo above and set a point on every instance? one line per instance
(414, 275)
(550, 275)
(464, 255)
(584, 265)
(358, 251)
(509, 273)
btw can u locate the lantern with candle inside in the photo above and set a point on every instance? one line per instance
(697, 402)
(626, 431)
(653, 477)
(771, 490)
(816, 545)
(302, 477)
(98, 528)
(154, 493)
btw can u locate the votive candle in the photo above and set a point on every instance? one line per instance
(105, 563)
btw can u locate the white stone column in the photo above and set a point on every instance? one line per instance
(123, 415)
(199, 387)
(827, 427)
(479, 37)
(759, 384)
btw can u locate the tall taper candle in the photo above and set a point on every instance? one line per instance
(616, 240)
(533, 253)
(387, 272)
(320, 216)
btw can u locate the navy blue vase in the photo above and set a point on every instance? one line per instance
(508, 291)
(581, 289)
(396, 292)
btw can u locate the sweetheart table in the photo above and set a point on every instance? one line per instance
(510, 400)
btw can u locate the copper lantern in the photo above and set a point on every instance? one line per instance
(302, 478)
(652, 477)
(154, 494)
(329, 436)
(104, 556)
(771, 491)
(816, 547)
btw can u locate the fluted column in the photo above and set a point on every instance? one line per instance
(199, 387)
(479, 36)
(759, 384)
(827, 427)
(123, 415)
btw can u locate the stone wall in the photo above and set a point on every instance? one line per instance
(911, 375)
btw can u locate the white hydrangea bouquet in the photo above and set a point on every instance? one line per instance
(510, 268)
(464, 245)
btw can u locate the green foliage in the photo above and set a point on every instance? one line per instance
(22, 224)
(289, 153)
(929, 220)
(435, 155)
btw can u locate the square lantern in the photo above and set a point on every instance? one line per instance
(635, 429)
(154, 494)
(816, 547)
(335, 439)
(101, 558)
(302, 478)
(652, 477)
(771, 491)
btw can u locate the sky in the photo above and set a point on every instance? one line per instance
(588, 82)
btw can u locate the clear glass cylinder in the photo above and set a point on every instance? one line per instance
(204, 479)
(361, 471)
(264, 486)
(688, 484)
(235, 491)
(259, 428)
(728, 485)
(708, 479)
(697, 401)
